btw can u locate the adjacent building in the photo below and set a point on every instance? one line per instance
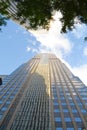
(43, 94)
(12, 13)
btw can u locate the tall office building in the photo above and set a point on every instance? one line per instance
(12, 13)
(43, 94)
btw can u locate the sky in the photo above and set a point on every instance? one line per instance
(18, 45)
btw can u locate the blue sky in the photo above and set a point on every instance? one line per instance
(17, 45)
(13, 47)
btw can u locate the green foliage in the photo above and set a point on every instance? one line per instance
(70, 10)
(3, 13)
(38, 13)
(85, 39)
(2, 21)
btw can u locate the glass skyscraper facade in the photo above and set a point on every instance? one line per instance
(43, 94)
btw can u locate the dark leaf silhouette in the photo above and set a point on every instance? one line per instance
(38, 13)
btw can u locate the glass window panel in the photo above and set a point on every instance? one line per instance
(77, 119)
(1, 93)
(74, 111)
(60, 128)
(84, 98)
(55, 103)
(62, 98)
(79, 103)
(1, 101)
(4, 96)
(63, 103)
(80, 129)
(70, 128)
(55, 100)
(57, 119)
(0, 116)
(72, 104)
(65, 110)
(55, 97)
(83, 110)
(67, 119)
(8, 92)
(8, 102)
(4, 108)
(56, 110)
(11, 96)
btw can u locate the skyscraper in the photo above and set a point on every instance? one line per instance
(12, 13)
(43, 94)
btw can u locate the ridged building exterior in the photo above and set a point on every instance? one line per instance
(43, 94)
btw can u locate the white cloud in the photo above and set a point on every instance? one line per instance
(52, 40)
(28, 48)
(34, 43)
(57, 43)
(79, 31)
(85, 51)
(29, 40)
(34, 50)
(81, 72)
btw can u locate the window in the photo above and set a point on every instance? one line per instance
(72, 104)
(8, 93)
(4, 96)
(11, 89)
(74, 111)
(5, 89)
(77, 119)
(84, 98)
(74, 93)
(63, 103)
(4, 108)
(55, 97)
(0, 116)
(55, 103)
(67, 94)
(61, 94)
(56, 110)
(70, 98)
(86, 103)
(60, 128)
(83, 110)
(14, 92)
(11, 96)
(61, 98)
(1, 101)
(80, 129)
(65, 110)
(1, 93)
(57, 119)
(79, 103)
(55, 100)
(8, 102)
(70, 128)
(67, 119)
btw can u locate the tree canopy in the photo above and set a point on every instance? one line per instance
(3, 12)
(38, 13)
